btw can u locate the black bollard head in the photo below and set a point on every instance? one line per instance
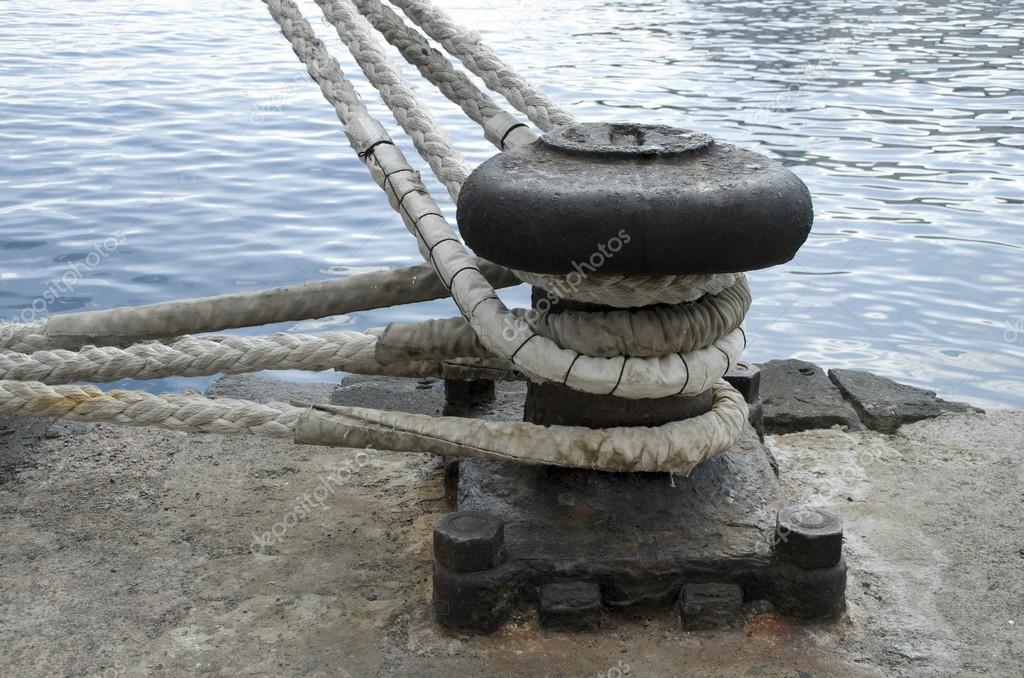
(624, 198)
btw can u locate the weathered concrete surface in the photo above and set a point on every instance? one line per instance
(129, 550)
(883, 405)
(797, 395)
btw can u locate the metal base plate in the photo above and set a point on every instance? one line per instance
(641, 538)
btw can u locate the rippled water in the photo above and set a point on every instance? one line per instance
(190, 129)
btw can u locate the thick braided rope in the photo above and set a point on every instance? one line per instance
(321, 66)
(497, 327)
(653, 331)
(138, 408)
(24, 337)
(481, 60)
(430, 140)
(197, 356)
(675, 447)
(431, 64)
(630, 291)
(173, 319)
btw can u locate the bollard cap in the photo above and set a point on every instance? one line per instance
(623, 198)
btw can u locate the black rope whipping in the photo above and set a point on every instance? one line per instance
(509, 131)
(687, 366)
(728, 360)
(516, 352)
(565, 379)
(464, 268)
(368, 151)
(625, 359)
(493, 297)
(387, 177)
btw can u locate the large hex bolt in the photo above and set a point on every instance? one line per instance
(809, 537)
(469, 541)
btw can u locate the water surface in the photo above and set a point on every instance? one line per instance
(163, 149)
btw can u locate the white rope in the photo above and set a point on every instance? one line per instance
(497, 327)
(24, 337)
(137, 408)
(676, 447)
(673, 447)
(481, 60)
(201, 356)
(653, 331)
(498, 124)
(430, 140)
(126, 326)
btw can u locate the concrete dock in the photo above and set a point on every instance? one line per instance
(131, 552)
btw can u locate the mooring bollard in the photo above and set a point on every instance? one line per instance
(594, 200)
(639, 234)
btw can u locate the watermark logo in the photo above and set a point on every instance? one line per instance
(327, 484)
(64, 284)
(568, 284)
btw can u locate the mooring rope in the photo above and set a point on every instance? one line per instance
(233, 354)
(497, 327)
(481, 60)
(500, 127)
(173, 319)
(429, 139)
(677, 446)
(681, 347)
(191, 413)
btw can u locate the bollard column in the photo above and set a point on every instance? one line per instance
(642, 233)
(594, 200)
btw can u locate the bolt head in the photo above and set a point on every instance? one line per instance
(469, 541)
(809, 537)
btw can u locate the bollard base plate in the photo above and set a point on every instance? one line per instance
(640, 538)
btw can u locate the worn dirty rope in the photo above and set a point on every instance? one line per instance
(497, 327)
(678, 446)
(682, 345)
(468, 47)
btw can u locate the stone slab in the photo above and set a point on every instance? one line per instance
(797, 395)
(570, 605)
(708, 606)
(885, 405)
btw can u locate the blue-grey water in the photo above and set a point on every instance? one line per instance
(161, 149)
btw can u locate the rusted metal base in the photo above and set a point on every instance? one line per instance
(579, 544)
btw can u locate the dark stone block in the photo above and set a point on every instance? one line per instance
(469, 541)
(627, 198)
(553, 404)
(745, 378)
(708, 606)
(570, 606)
(798, 396)
(809, 537)
(756, 418)
(884, 405)
(472, 393)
